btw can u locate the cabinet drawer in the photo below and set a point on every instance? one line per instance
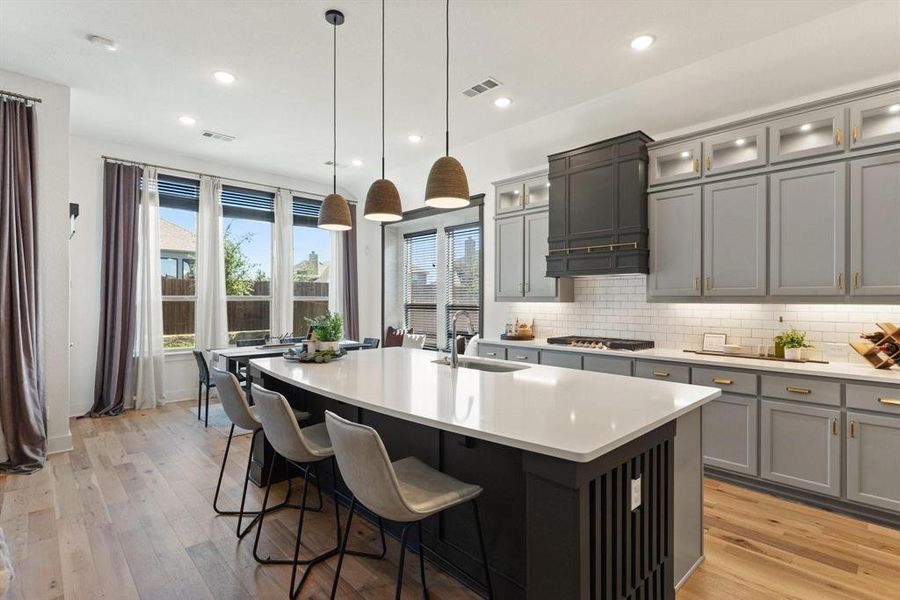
(568, 360)
(662, 371)
(870, 397)
(526, 355)
(604, 364)
(801, 388)
(491, 351)
(724, 379)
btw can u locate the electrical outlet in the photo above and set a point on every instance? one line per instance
(635, 493)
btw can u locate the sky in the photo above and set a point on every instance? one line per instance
(258, 250)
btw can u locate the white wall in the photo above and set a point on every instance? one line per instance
(52, 126)
(87, 190)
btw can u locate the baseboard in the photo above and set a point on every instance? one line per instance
(60, 443)
(690, 572)
(187, 394)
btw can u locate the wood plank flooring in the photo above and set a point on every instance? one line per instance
(127, 515)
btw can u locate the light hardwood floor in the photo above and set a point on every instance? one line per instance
(127, 515)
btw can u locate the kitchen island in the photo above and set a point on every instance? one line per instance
(578, 468)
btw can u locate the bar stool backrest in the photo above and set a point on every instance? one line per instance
(280, 426)
(366, 468)
(233, 400)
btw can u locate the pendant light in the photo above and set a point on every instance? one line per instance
(383, 200)
(447, 185)
(334, 213)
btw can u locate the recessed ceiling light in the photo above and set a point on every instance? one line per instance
(894, 108)
(187, 120)
(223, 77)
(356, 162)
(414, 138)
(502, 102)
(685, 154)
(102, 42)
(740, 142)
(642, 42)
(806, 127)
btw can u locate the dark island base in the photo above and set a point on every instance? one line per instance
(554, 529)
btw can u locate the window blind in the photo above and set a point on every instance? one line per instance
(463, 264)
(245, 203)
(306, 211)
(178, 192)
(420, 284)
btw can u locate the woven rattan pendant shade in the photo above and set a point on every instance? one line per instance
(335, 213)
(447, 185)
(383, 202)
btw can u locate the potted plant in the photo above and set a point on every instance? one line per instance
(792, 342)
(327, 329)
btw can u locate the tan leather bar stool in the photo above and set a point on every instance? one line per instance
(406, 491)
(242, 415)
(303, 448)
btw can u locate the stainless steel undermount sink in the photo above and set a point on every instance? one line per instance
(468, 363)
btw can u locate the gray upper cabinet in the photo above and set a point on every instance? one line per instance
(536, 192)
(675, 163)
(873, 472)
(734, 237)
(537, 284)
(730, 426)
(807, 236)
(510, 197)
(510, 256)
(875, 226)
(734, 150)
(800, 446)
(675, 243)
(875, 120)
(808, 134)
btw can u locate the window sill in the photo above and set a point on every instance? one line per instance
(178, 355)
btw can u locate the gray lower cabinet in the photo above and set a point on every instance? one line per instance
(662, 371)
(875, 226)
(734, 237)
(675, 243)
(730, 431)
(873, 469)
(510, 262)
(526, 355)
(568, 360)
(807, 239)
(605, 364)
(800, 446)
(491, 351)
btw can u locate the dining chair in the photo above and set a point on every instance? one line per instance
(393, 338)
(406, 491)
(371, 343)
(203, 376)
(414, 340)
(249, 342)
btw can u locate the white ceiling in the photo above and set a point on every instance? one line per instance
(550, 55)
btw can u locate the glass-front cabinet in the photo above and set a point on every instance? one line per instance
(808, 134)
(675, 163)
(875, 120)
(509, 197)
(734, 150)
(536, 192)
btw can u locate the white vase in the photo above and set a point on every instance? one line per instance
(793, 353)
(311, 346)
(333, 346)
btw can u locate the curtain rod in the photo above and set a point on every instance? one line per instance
(21, 97)
(138, 163)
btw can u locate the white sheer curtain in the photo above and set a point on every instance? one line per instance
(148, 389)
(210, 314)
(336, 282)
(282, 319)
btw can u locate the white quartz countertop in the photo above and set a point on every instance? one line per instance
(838, 370)
(570, 414)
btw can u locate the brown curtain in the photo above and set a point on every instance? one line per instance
(351, 276)
(23, 413)
(115, 351)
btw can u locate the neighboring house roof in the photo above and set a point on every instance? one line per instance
(322, 269)
(175, 238)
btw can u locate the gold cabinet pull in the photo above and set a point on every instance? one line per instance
(697, 283)
(696, 165)
(723, 381)
(855, 133)
(708, 283)
(661, 373)
(834, 426)
(841, 281)
(708, 162)
(491, 353)
(839, 136)
(853, 429)
(798, 390)
(520, 357)
(891, 401)
(856, 280)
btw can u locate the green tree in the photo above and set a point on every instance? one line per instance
(239, 277)
(306, 271)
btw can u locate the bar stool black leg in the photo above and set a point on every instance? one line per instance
(484, 561)
(206, 417)
(199, 398)
(299, 533)
(422, 560)
(222, 470)
(262, 512)
(337, 569)
(403, 535)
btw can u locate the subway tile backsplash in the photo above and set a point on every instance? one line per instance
(617, 307)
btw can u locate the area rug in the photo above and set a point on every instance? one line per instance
(218, 420)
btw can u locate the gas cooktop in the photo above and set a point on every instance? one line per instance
(601, 343)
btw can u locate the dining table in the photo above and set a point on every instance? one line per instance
(236, 357)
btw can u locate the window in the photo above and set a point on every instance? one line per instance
(420, 284)
(248, 216)
(312, 264)
(463, 281)
(178, 201)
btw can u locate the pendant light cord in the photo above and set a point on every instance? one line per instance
(334, 113)
(447, 97)
(382, 89)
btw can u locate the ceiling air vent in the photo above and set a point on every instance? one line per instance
(480, 88)
(339, 165)
(222, 137)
